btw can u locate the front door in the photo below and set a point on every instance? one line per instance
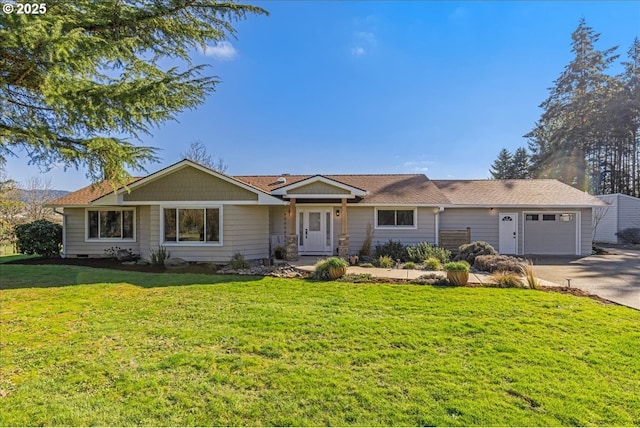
(508, 233)
(315, 230)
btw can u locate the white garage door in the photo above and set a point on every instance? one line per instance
(550, 233)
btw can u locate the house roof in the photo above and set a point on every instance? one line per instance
(381, 188)
(542, 192)
(87, 194)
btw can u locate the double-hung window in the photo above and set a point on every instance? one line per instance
(192, 225)
(392, 218)
(110, 224)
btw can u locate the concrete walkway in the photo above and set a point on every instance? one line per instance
(615, 276)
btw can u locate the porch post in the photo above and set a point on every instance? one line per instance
(343, 239)
(291, 238)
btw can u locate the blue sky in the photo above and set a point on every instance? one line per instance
(379, 87)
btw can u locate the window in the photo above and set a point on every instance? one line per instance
(395, 218)
(532, 217)
(548, 217)
(192, 225)
(111, 224)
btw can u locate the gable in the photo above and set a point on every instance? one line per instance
(189, 184)
(318, 188)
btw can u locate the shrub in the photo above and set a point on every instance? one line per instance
(530, 278)
(506, 280)
(385, 262)
(469, 252)
(457, 266)
(40, 237)
(630, 235)
(323, 266)
(430, 279)
(393, 249)
(365, 250)
(431, 263)
(238, 262)
(410, 265)
(159, 255)
(357, 278)
(499, 263)
(424, 250)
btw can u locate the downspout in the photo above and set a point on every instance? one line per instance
(64, 233)
(437, 212)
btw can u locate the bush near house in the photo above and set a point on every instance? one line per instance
(469, 252)
(630, 235)
(500, 263)
(424, 250)
(392, 249)
(40, 237)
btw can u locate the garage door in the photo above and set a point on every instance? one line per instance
(550, 233)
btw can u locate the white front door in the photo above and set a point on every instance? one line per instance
(315, 231)
(508, 233)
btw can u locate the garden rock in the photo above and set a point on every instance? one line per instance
(175, 263)
(124, 256)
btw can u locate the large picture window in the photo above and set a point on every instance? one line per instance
(111, 224)
(395, 218)
(192, 225)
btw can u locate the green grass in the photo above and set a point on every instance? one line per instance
(82, 346)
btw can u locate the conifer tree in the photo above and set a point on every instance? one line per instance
(84, 78)
(501, 167)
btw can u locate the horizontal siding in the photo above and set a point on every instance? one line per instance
(277, 219)
(359, 217)
(607, 226)
(587, 232)
(628, 212)
(245, 230)
(75, 227)
(482, 221)
(318, 188)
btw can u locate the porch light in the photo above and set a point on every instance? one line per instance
(337, 213)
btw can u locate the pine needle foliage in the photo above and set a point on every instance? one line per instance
(83, 80)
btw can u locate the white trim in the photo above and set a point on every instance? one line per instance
(353, 191)
(194, 204)
(578, 220)
(318, 196)
(87, 239)
(395, 208)
(177, 243)
(324, 209)
(265, 200)
(436, 217)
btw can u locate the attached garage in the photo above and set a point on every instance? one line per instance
(547, 232)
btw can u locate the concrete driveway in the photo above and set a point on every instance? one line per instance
(614, 276)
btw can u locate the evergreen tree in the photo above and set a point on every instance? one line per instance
(520, 164)
(81, 80)
(502, 166)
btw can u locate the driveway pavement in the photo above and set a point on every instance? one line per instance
(614, 276)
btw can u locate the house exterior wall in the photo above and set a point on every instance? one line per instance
(485, 226)
(318, 188)
(245, 229)
(190, 184)
(359, 217)
(608, 224)
(624, 212)
(77, 244)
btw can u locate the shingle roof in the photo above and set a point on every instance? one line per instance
(514, 192)
(381, 188)
(85, 195)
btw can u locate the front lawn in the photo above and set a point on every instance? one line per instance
(83, 346)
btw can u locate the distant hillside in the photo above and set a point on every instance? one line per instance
(53, 194)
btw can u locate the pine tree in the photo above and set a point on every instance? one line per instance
(520, 164)
(81, 80)
(502, 166)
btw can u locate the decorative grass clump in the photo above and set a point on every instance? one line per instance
(386, 262)
(410, 265)
(431, 263)
(506, 280)
(331, 268)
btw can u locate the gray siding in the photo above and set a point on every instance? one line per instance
(608, 224)
(245, 230)
(75, 227)
(628, 212)
(482, 221)
(587, 232)
(359, 217)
